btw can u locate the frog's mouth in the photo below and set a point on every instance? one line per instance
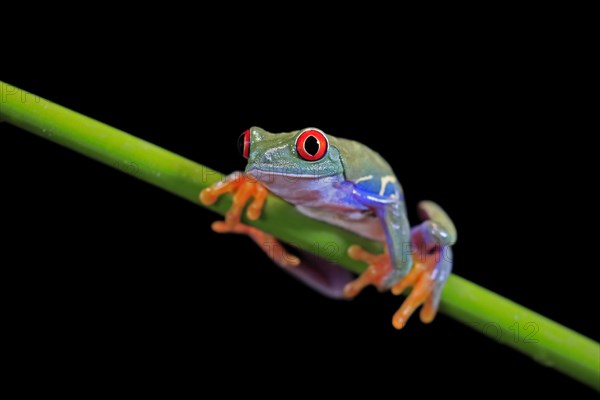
(290, 176)
(321, 275)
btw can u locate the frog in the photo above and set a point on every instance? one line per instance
(347, 184)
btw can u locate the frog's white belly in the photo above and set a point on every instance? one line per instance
(329, 199)
(358, 222)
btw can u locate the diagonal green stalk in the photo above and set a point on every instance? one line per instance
(546, 341)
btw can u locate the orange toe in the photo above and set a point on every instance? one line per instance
(421, 291)
(211, 194)
(422, 280)
(356, 286)
(243, 188)
(255, 208)
(379, 268)
(207, 197)
(407, 281)
(428, 311)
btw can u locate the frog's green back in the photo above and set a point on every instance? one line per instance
(360, 161)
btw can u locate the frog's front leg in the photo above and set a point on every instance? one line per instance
(385, 269)
(432, 257)
(432, 263)
(244, 187)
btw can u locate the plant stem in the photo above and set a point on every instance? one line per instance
(546, 341)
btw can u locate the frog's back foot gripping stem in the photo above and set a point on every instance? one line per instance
(432, 256)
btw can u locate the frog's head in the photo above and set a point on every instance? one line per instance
(305, 153)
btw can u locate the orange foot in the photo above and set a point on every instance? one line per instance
(427, 277)
(421, 278)
(243, 187)
(379, 268)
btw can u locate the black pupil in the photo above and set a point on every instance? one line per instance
(311, 145)
(241, 143)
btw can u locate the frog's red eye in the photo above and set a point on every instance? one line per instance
(244, 143)
(312, 145)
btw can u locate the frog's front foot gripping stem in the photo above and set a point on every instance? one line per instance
(432, 264)
(244, 187)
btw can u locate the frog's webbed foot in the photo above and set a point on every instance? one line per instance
(379, 269)
(432, 264)
(243, 188)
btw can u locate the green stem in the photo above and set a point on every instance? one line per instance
(546, 341)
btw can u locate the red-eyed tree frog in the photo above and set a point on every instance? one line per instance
(344, 183)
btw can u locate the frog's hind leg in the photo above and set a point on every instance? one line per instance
(432, 257)
(268, 243)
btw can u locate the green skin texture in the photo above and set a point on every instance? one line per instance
(488, 313)
(331, 188)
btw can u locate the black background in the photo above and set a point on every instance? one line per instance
(117, 270)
